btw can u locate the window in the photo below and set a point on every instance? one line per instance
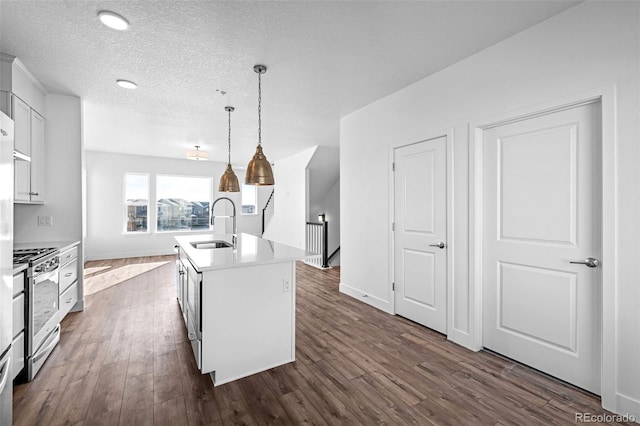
(182, 203)
(249, 199)
(136, 196)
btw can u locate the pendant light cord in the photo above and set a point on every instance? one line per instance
(259, 109)
(229, 136)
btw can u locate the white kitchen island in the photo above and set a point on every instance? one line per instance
(238, 303)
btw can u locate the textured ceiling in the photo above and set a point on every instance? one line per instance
(324, 59)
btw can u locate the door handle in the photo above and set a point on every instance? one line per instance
(591, 262)
(440, 245)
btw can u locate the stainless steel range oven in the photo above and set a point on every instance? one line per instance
(42, 305)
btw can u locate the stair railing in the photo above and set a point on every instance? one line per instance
(318, 242)
(265, 209)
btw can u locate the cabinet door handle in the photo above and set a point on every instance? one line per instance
(192, 336)
(68, 274)
(33, 193)
(4, 133)
(69, 300)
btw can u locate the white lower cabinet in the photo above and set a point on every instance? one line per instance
(241, 321)
(68, 280)
(17, 354)
(68, 299)
(17, 345)
(68, 275)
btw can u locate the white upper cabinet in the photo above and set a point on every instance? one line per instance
(21, 115)
(36, 192)
(22, 97)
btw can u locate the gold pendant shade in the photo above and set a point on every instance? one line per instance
(229, 180)
(259, 170)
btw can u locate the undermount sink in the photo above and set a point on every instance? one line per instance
(212, 244)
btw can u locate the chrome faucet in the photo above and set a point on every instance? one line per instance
(235, 227)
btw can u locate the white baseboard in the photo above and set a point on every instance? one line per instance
(376, 302)
(628, 406)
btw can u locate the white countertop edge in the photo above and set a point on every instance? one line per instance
(60, 245)
(218, 259)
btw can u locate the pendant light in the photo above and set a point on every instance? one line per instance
(229, 180)
(196, 154)
(259, 170)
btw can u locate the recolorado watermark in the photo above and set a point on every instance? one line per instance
(604, 418)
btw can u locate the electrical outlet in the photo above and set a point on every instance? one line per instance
(286, 285)
(45, 220)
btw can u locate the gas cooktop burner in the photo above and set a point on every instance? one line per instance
(31, 254)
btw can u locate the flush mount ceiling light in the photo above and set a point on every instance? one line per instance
(259, 170)
(113, 20)
(126, 84)
(229, 180)
(196, 154)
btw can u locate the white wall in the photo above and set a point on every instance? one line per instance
(62, 179)
(288, 224)
(249, 223)
(592, 45)
(105, 197)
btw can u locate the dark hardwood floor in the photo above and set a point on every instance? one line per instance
(126, 360)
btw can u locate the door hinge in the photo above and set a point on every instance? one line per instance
(393, 286)
(393, 226)
(393, 167)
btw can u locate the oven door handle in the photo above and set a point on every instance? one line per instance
(45, 350)
(45, 276)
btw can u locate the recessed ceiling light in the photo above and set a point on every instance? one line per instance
(126, 84)
(113, 20)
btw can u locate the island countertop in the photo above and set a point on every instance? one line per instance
(249, 250)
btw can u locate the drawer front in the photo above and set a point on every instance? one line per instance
(18, 314)
(68, 275)
(18, 284)
(68, 255)
(68, 299)
(17, 355)
(196, 346)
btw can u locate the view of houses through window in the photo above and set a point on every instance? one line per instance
(182, 202)
(136, 195)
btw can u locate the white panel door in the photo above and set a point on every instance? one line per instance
(541, 204)
(420, 257)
